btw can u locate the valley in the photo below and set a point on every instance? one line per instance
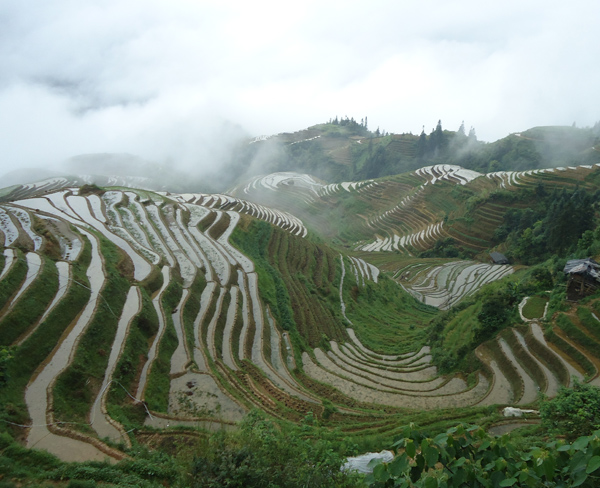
(364, 304)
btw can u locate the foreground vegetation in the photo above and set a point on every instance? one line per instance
(264, 453)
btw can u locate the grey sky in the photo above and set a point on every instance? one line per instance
(158, 78)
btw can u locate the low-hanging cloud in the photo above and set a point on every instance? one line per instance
(168, 80)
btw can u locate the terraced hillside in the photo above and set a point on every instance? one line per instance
(127, 309)
(130, 308)
(410, 213)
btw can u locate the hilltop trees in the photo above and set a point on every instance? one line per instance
(552, 227)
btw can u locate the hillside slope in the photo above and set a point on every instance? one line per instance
(124, 309)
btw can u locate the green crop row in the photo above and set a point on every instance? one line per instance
(32, 304)
(77, 387)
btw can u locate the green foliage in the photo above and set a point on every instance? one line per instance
(264, 454)
(272, 287)
(534, 308)
(131, 361)
(6, 354)
(11, 282)
(386, 318)
(30, 354)
(553, 224)
(77, 386)
(573, 412)
(31, 305)
(157, 388)
(444, 248)
(467, 456)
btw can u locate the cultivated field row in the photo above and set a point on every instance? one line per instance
(230, 324)
(447, 284)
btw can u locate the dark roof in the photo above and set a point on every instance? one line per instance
(587, 267)
(498, 257)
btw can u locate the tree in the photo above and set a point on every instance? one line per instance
(472, 136)
(573, 412)
(422, 144)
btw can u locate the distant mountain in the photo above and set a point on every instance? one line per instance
(346, 150)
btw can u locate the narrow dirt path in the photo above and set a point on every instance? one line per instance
(342, 304)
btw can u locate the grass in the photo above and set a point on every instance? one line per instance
(11, 282)
(40, 344)
(130, 364)
(459, 330)
(534, 308)
(77, 387)
(386, 318)
(192, 307)
(577, 335)
(159, 382)
(31, 305)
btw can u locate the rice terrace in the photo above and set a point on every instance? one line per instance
(349, 290)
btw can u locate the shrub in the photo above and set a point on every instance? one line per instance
(264, 454)
(573, 412)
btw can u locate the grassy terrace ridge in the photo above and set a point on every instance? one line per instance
(11, 283)
(129, 366)
(157, 389)
(534, 308)
(31, 305)
(37, 348)
(77, 386)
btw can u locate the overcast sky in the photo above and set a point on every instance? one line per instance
(158, 78)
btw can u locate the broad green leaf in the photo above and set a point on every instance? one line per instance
(593, 464)
(581, 443)
(431, 456)
(508, 482)
(380, 473)
(430, 482)
(579, 478)
(485, 445)
(411, 449)
(460, 475)
(399, 442)
(441, 438)
(459, 462)
(578, 461)
(549, 466)
(398, 465)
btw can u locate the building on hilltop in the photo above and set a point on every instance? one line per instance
(584, 277)
(498, 258)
